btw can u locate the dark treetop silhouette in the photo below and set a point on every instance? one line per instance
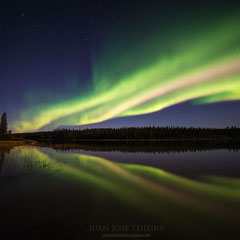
(135, 133)
(3, 126)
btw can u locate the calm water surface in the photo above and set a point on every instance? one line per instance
(79, 192)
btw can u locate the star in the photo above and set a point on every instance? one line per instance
(22, 14)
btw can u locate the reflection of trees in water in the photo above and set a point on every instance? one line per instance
(3, 151)
(149, 146)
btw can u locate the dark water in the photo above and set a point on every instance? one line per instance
(120, 191)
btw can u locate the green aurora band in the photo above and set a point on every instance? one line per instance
(204, 68)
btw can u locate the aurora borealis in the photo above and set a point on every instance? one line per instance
(146, 64)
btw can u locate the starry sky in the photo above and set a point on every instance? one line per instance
(119, 63)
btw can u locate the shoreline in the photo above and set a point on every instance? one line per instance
(136, 140)
(16, 142)
(36, 141)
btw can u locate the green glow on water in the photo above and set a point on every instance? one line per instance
(142, 187)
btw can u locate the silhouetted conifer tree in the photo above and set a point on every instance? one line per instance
(3, 125)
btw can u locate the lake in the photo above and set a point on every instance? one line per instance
(112, 190)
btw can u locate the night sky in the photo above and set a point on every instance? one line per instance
(119, 63)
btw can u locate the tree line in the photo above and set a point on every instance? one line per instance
(135, 133)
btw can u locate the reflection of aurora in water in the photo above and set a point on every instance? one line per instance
(206, 68)
(147, 189)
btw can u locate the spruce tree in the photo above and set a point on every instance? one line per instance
(3, 124)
